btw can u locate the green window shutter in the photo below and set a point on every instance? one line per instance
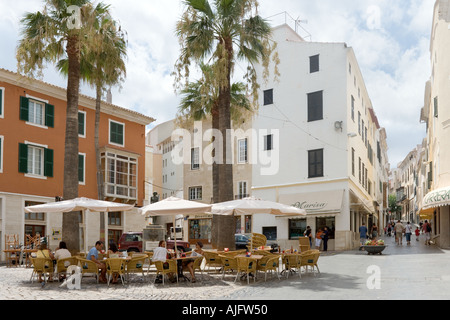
(2, 96)
(117, 133)
(49, 115)
(48, 163)
(23, 158)
(24, 108)
(80, 168)
(80, 123)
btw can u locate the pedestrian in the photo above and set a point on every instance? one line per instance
(417, 233)
(426, 228)
(362, 235)
(318, 238)
(308, 234)
(389, 230)
(325, 236)
(408, 232)
(374, 232)
(399, 230)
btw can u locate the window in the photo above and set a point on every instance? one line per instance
(353, 109)
(35, 216)
(360, 169)
(330, 223)
(116, 133)
(81, 168)
(268, 142)
(315, 163)
(37, 112)
(270, 233)
(350, 68)
(436, 107)
(362, 130)
(242, 190)
(35, 160)
(315, 106)
(242, 151)
(353, 162)
(120, 173)
(195, 193)
(296, 228)
(359, 123)
(82, 124)
(114, 218)
(195, 158)
(268, 97)
(314, 64)
(2, 101)
(1, 153)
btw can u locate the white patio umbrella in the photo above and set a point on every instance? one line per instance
(80, 204)
(254, 206)
(175, 206)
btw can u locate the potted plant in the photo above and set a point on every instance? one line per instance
(374, 246)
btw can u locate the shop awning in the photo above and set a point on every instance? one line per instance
(437, 198)
(315, 203)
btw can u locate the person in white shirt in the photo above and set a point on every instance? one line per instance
(408, 232)
(161, 254)
(62, 252)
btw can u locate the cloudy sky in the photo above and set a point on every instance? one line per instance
(390, 38)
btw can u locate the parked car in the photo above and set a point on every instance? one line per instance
(242, 240)
(133, 242)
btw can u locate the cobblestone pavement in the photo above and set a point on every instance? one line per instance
(406, 272)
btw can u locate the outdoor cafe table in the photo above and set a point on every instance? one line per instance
(180, 261)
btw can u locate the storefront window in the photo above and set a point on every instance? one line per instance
(327, 222)
(296, 228)
(237, 220)
(270, 233)
(248, 224)
(200, 229)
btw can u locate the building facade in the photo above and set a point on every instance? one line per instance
(435, 205)
(32, 131)
(330, 148)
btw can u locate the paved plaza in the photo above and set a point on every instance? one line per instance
(402, 272)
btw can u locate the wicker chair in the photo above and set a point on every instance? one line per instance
(171, 269)
(310, 259)
(41, 267)
(291, 264)
(88, 267)
(246, 266)
(257, 240)
(115, 265)
(136, 266)
(198, 264)
(63, 264)
(212, 259)
(269, 264)
(229, 263)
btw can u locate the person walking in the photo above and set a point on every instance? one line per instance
(426, 228)
(408, 232)
(399, 230)
(417, 233)
(374, 232)
(362, 235)
(319, 238)
(389, 229)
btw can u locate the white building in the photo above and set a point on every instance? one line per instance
(436, 115)
(318, 121)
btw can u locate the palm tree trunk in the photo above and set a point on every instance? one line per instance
(223, 182)
(71, 234)
(100, 189)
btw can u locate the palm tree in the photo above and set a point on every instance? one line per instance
(221, 35)
(47, 37)
(102, 67)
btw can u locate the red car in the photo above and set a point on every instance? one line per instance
(133, 242)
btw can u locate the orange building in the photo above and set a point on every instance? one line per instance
(32, 131)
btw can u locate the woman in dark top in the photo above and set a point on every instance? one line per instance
(325, 235)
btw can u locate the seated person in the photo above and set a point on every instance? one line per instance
(113, 252)
(93, 256)
(62, 253)
(161, 254)
(44, 253)
(189, 264)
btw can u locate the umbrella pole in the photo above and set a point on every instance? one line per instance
(175, 238)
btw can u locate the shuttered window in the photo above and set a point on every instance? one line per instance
(81, 168)
(116, 133)
(35, 160)
(315, 163)
(314, 64)
(315, 106)
(37, 112)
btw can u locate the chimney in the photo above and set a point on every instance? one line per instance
(109, 96)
